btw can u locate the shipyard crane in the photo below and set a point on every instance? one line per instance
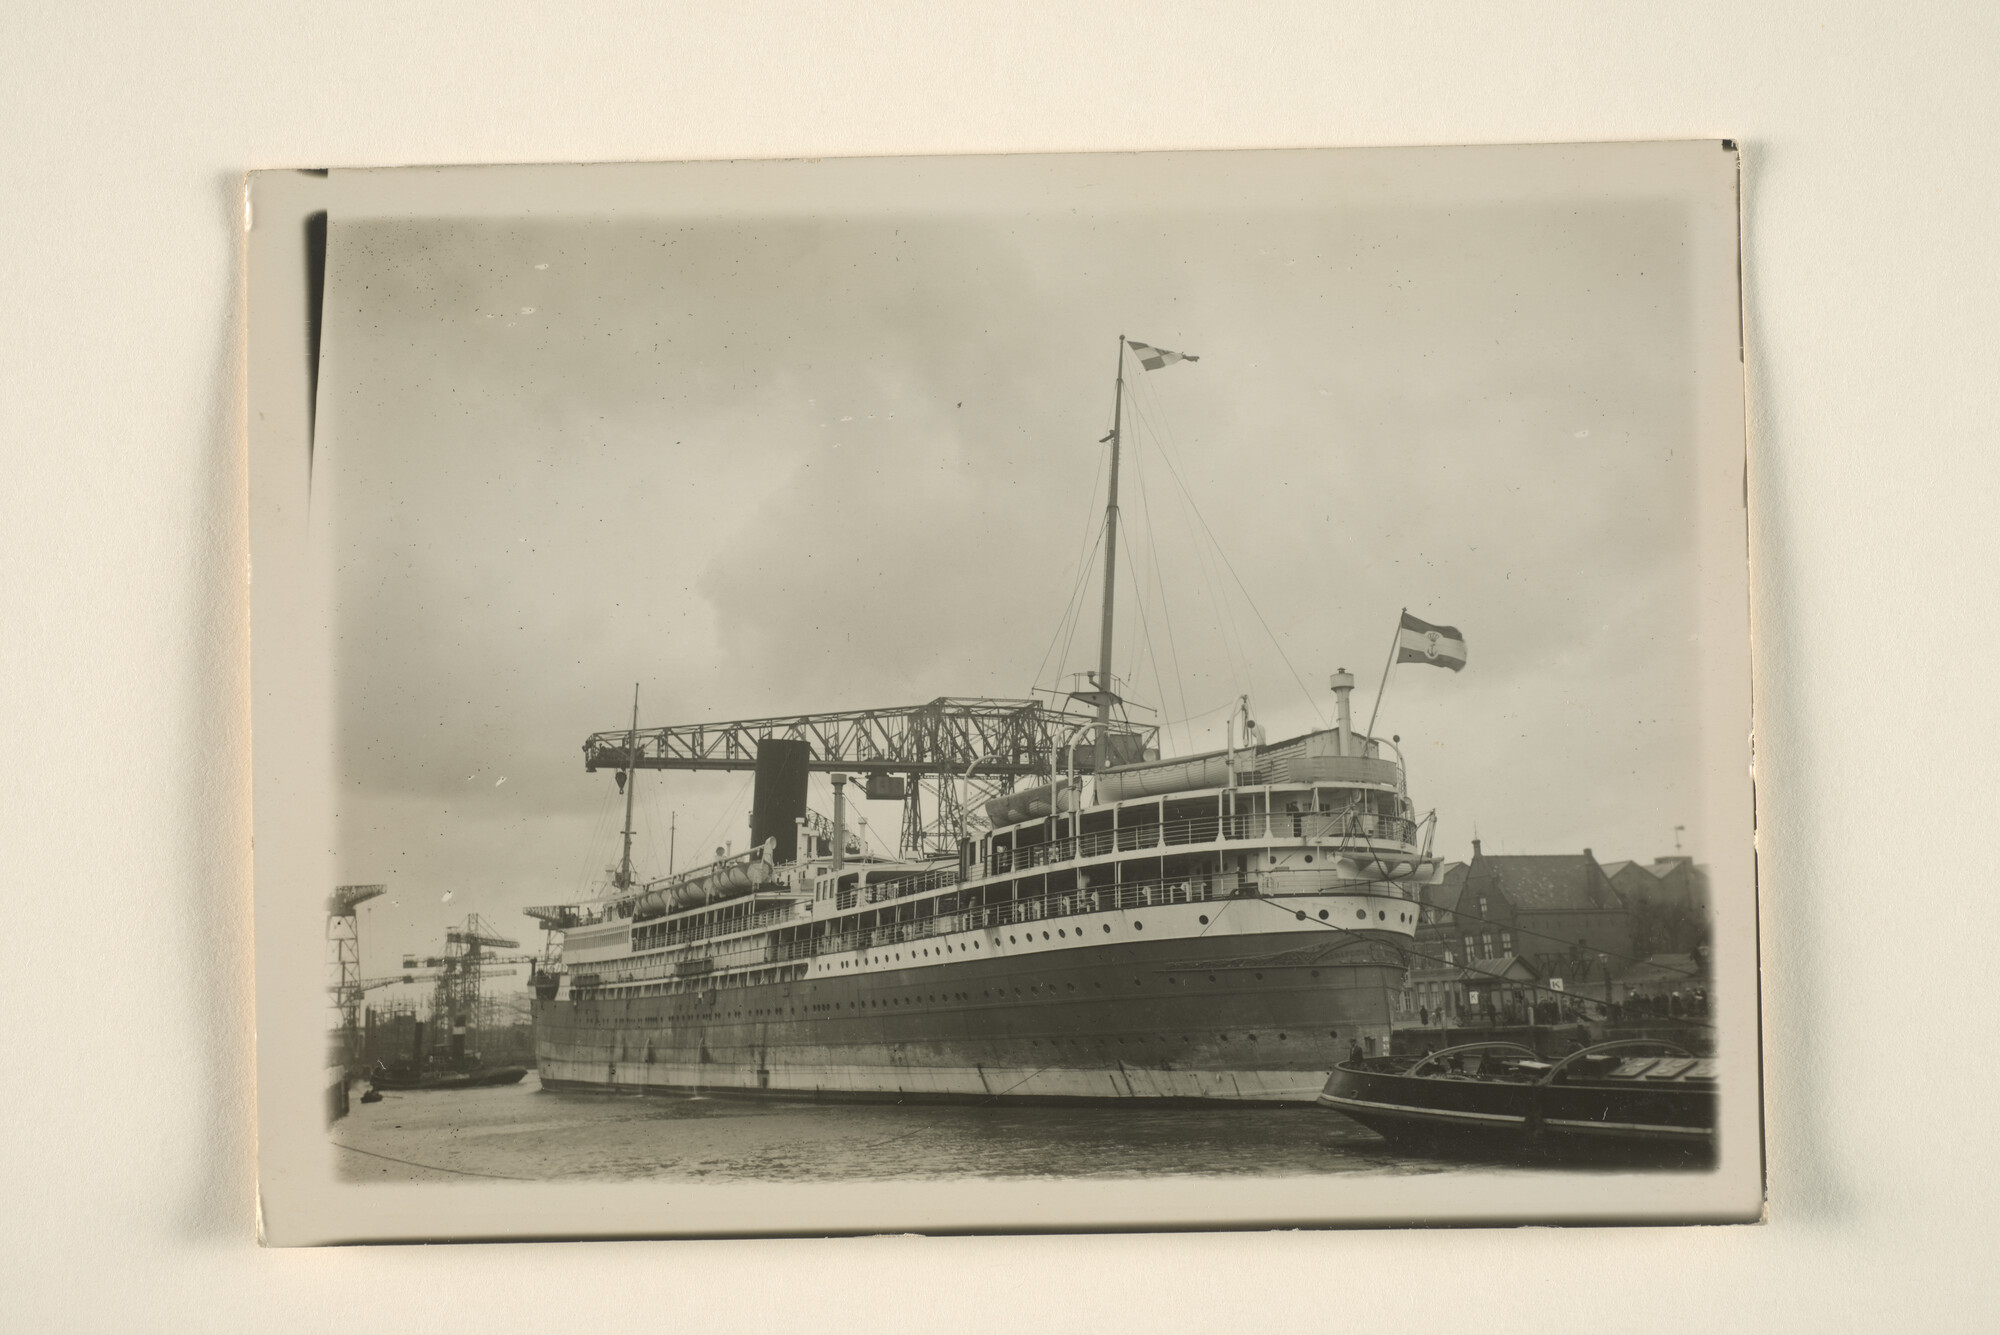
(963, 749)
(461, 971)
(343, 948)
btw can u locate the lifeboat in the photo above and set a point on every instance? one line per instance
(720, 881)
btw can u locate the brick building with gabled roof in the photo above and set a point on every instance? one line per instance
(1560, 912)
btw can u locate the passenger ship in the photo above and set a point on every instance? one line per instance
(1225, 926)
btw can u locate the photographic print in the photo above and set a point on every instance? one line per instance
(1093, 691)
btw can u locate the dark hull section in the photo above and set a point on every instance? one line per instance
(1672, 1124)
(1181, 1019)
(493, 1075)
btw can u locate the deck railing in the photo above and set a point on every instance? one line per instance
(1043, 908)
(1358, 827)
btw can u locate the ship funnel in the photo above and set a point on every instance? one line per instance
(778, 800)
(1343, 686)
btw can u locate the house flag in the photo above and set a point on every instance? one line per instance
(1153, 358)
(1421, 642)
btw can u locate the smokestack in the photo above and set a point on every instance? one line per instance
(1343, 685)
(778, 801)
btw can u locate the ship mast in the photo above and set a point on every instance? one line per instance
(1105, 694)
(631, 787)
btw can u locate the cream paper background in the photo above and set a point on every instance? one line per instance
(1871, 298)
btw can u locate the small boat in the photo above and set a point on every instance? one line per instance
(1632, 1098)
(476, 1078)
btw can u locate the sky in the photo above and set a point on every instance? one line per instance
(771, 465)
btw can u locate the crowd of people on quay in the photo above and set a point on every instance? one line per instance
(1674, 1005)
(1678, 1004)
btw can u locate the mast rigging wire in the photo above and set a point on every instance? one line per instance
(1087, 548)
(1160, 586)
(1234, 654)
(1230, 566)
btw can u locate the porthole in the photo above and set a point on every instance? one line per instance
(1301, 915)
(1281, 1038)
(1333, 1033)
(1253, 1038)
(1012, 941)
(1274, 859)
(1260, 977)
(1204, 920)
(1315, 973)
(1045, 936)
(1322, 915)
(1138, 926)
(1107, 926)
(1211, 978)
(1361, 914)
(1071, 986)
(1223, 1037)
(1309, 857)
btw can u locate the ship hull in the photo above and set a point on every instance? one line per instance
(1185, 1020)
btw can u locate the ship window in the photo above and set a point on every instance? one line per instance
(1204, 920)
(1138, 926)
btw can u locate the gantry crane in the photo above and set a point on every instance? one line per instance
(963, 749)
(343, 948)
(460, 974)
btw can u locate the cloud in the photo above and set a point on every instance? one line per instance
(779, 465)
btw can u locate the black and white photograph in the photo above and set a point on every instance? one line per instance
(1224, 675)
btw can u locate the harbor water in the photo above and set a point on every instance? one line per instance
(525, 1132)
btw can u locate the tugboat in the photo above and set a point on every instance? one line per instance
(453, 1069)
(1632, 1098)
(444, 1078)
